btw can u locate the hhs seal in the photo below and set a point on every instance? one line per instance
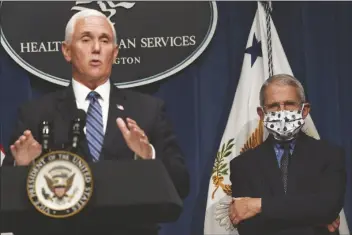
(60, 184)
(143, 41)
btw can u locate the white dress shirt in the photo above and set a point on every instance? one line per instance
(81, 92)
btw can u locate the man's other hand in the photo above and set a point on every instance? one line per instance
(135, 138)
(244, 208)
(334, 225)
(25, 149)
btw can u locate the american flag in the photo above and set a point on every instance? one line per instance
(2, 154)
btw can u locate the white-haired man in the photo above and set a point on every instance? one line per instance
(120, 123)
(292, 183)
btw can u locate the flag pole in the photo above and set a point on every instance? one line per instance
(268, 9)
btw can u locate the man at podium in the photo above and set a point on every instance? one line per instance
(120, 124)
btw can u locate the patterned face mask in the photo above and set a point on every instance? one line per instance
(284, 124)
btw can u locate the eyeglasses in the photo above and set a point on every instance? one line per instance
(287, 105)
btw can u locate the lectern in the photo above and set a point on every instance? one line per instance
(126, 194)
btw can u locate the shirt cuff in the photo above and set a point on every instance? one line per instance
(153, 150)
(136, 157)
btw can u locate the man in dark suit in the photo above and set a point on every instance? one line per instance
(291, 184)
(120, 124)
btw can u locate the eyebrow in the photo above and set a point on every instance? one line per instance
(105, 35)
(278, 103)
(88, 33)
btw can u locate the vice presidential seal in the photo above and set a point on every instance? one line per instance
(60, 184)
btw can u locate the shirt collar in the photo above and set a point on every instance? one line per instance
(292, 144)
(81, 91)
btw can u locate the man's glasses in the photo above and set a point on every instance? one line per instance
(286, 105)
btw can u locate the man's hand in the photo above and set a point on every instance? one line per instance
(135, 138)
(334, 225)
(25, 149)
(244, 208)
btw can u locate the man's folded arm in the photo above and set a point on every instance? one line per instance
(240, 188)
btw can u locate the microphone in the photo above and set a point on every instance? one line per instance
(78, 125)
(45, 135)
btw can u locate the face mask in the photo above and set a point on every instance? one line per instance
(284, 124)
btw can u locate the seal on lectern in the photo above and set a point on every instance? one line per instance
(60, 184)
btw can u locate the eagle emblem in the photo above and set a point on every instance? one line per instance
(60, 184)
(105, 6)
(59, 181)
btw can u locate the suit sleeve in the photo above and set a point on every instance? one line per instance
(240, 186)
(26, 120)
(167, 149)
(318, 208)
(20, 127)
(239, 181)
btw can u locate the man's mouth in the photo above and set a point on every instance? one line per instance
(95, 62)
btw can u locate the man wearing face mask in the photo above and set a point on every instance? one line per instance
(292, 183)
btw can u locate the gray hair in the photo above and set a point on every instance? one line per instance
(282, 79)
(70, 27)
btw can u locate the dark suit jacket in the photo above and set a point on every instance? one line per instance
(316, 187)
(59, 107)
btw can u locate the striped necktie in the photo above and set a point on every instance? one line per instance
(94, 126)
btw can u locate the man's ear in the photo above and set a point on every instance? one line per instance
(66, 51)
(116, 52)
(306, 110)
(261, 113)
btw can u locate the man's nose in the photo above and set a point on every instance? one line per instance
(96, 47)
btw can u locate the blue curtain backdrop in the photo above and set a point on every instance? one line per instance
(316, 38)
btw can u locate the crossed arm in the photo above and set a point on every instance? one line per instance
(310, 209)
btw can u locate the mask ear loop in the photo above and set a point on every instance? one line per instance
(302, 109)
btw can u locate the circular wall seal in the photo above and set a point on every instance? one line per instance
(156, 39)
(60, 184)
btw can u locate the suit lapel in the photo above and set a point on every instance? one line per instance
(66, 108)
(270, 168)
(66, 105)
(297, 161)
(113, 137)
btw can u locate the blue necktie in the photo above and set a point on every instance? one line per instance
(94, 126)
